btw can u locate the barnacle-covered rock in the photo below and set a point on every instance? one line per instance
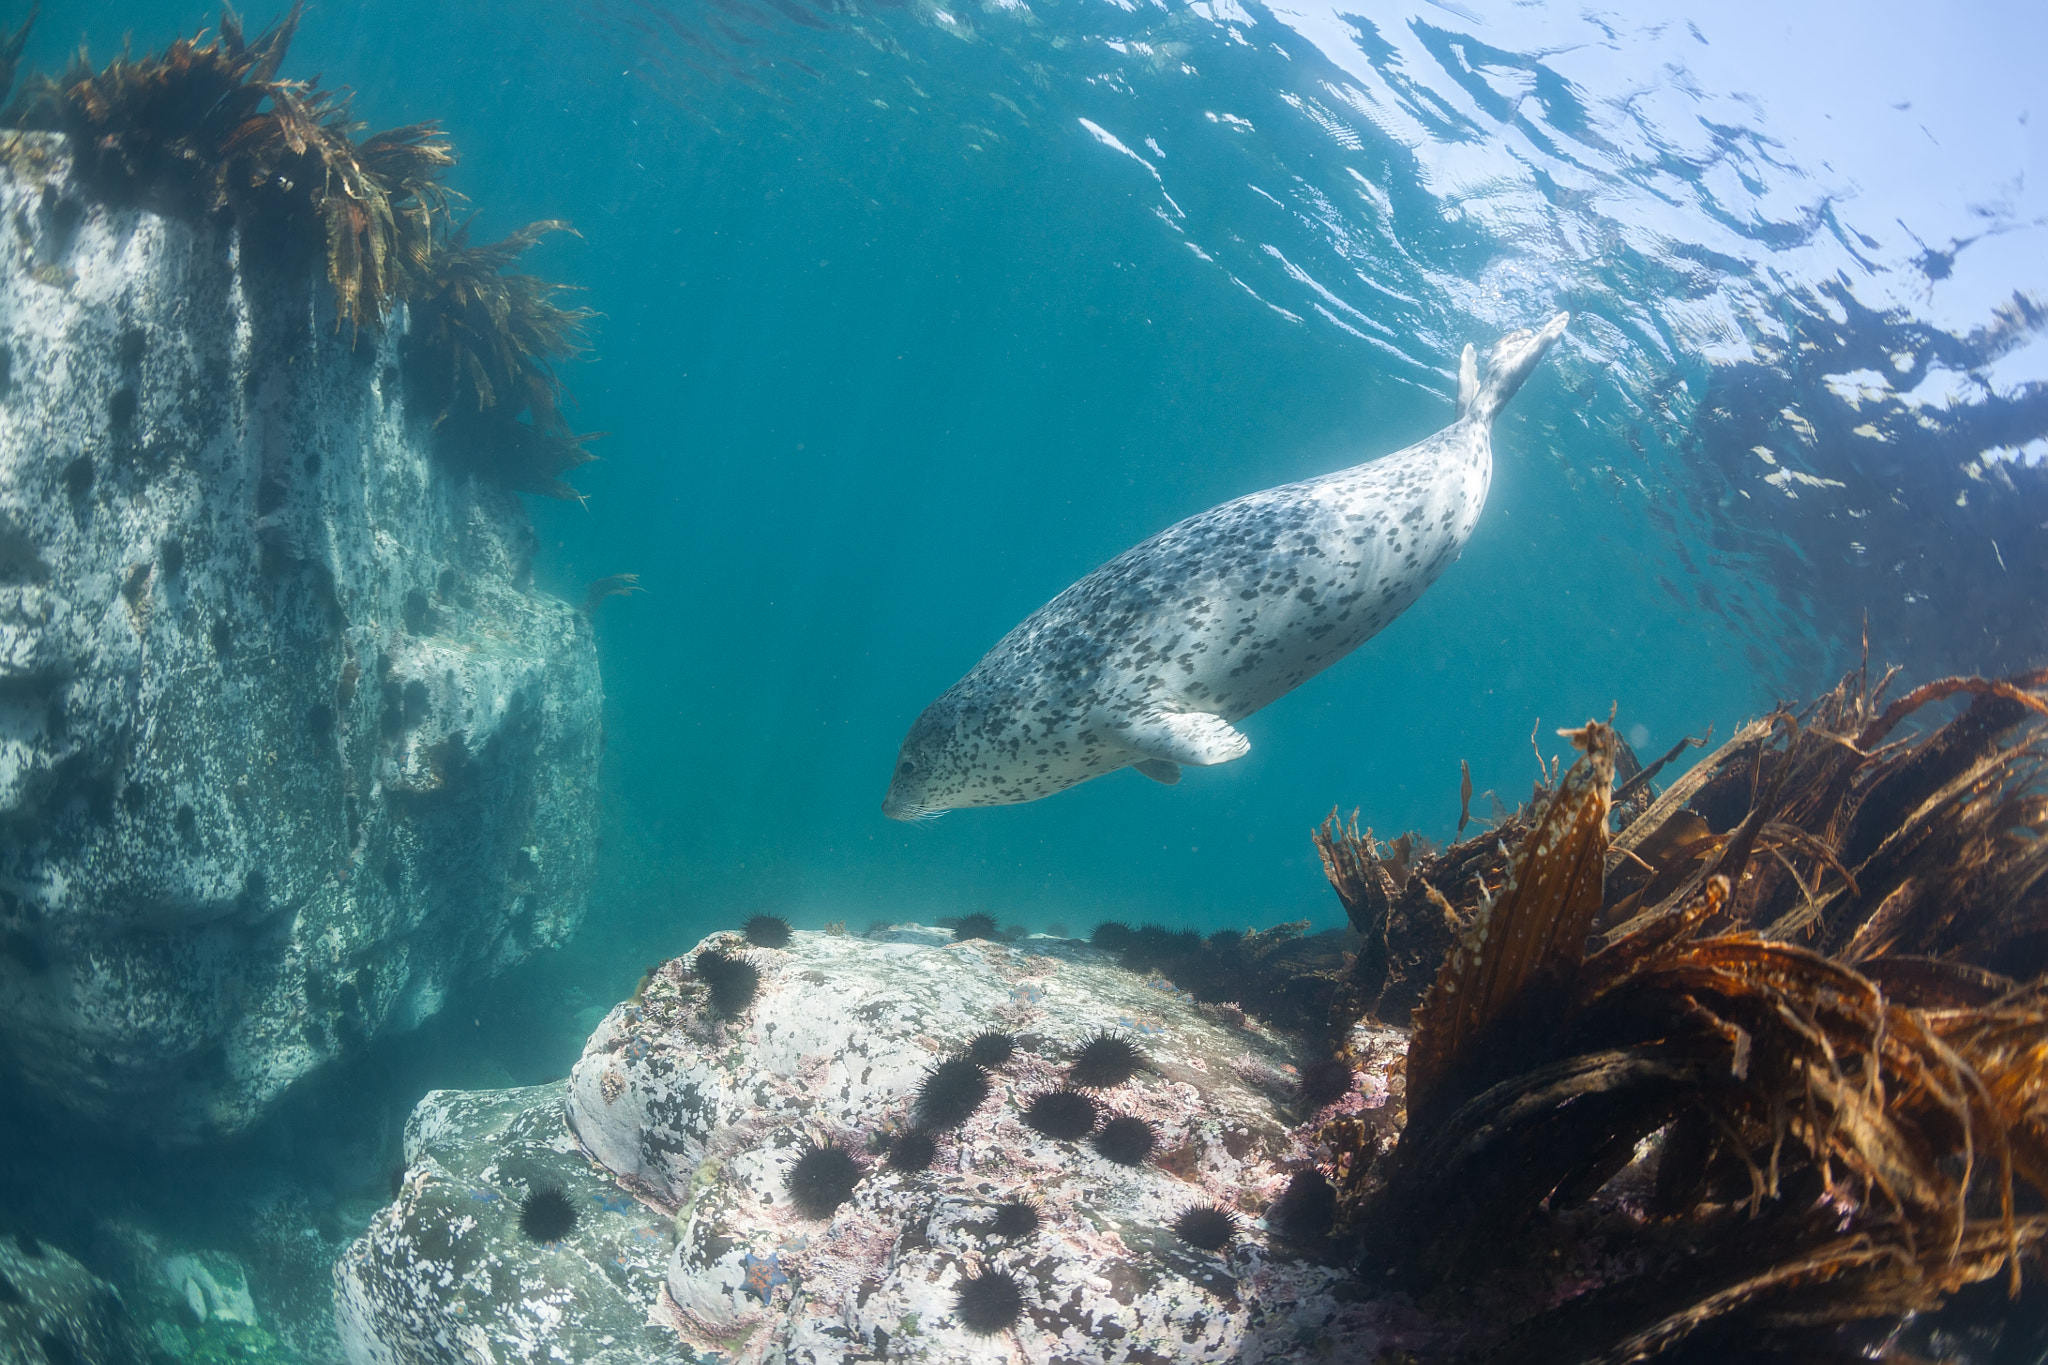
(445, 1273)
(288, 743)
(703, 1117)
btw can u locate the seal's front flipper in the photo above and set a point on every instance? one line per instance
(1159, 770)
(1191, 738)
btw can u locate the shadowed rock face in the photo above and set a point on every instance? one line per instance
(288, 744)
(53, 1310)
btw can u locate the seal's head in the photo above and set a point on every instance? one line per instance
(931, 766)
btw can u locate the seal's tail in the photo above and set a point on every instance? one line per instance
(1514, 355)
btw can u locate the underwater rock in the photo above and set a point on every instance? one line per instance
(446, 1276)
(215, 1287)
(290, 745)
(695, 1120)
(53, 1311)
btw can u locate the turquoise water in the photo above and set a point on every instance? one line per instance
(914, 315)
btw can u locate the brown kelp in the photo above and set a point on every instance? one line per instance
(1752, 1068)
(205, 128)
(484, 346)
(210, 129)
(1916, 846)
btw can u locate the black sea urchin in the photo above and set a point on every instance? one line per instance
(1106, 1060)
(1126, 1139)
(950, 1093)
(991, 1049)
(767, 931)
(1018, 1218)
(547, 1215)
(822, 1179)
(1113, 935)
(1208, 1227)
(1065, 1114)
(1307, 1210)
(1322, 1083)
(989, 1303)
(731, 978)
(913, 1151)
(975, 926)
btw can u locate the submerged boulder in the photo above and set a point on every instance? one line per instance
(53, 1311)
(691, 1117)
(289, 745)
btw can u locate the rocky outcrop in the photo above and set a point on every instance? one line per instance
(288, 743)
(692, 1123)
(445, 1274)
(53, 1311)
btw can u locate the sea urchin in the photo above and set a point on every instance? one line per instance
(1322, 1083)
(822, 1179)
(991, 1049)
(767, 931)
(1208, 1227)
(1113, 935)
(950, 1093)
(975, 926)
(1306, 1210)
(1126, 1139)
(989, 1303)
(731, 978)
(1018, 1218)
(1106, 1060)
(913, 1151)
(1065, 1114)
(547, 1215)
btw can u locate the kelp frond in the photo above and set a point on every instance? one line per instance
(1522, 949)
(486, 343)
(1727, 1128)
(612, 585)
(210, 128)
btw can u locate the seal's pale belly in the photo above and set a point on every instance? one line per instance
(1146, 661)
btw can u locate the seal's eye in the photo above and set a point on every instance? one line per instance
(905, 768)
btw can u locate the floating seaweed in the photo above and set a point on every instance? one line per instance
(1764, 1063)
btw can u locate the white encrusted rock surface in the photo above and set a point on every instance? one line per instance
(702, 1118)
(444, 1276)
(288, 743)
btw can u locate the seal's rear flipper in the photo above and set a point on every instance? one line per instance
(1514, 356)
(1192, 738)
(1159, 770)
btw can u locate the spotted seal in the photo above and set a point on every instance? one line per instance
(1147, 661)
